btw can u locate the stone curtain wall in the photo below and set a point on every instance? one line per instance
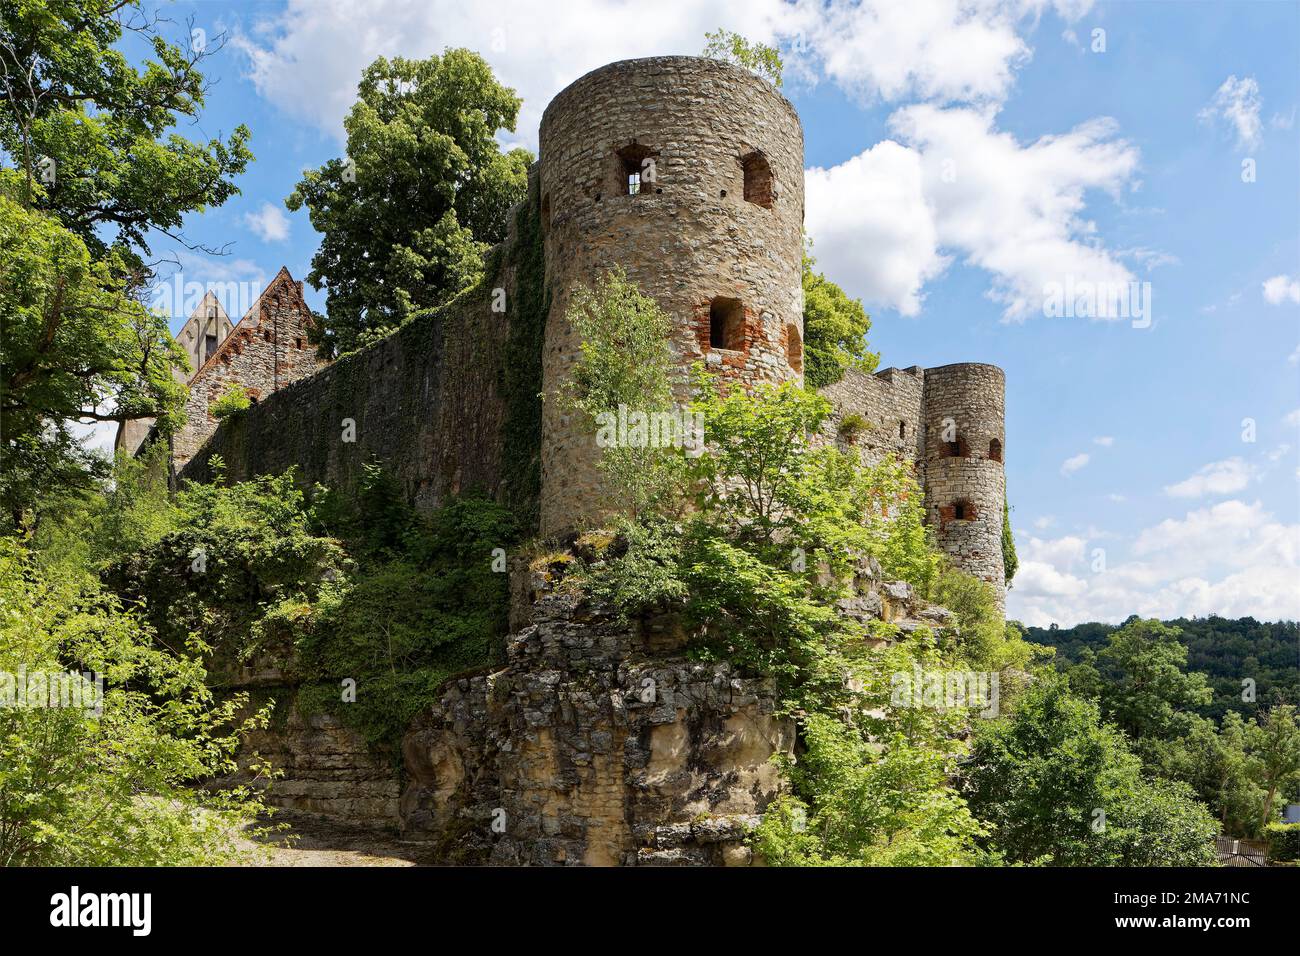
(267, 350)
(426, 402)
(973, 396)
(887, 400)
(686, 237)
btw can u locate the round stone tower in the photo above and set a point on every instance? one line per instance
(687, 173)
(965, 485)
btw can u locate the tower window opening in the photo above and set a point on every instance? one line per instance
(995, 450)
(758, 180)
(902, 429)
(794, 348)
(956, 449)
(209, 346)
(726, 324)
(637, 169)
(959, 511)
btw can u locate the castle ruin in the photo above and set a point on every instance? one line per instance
(688, 174)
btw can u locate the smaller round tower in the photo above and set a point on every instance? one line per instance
(965, 484)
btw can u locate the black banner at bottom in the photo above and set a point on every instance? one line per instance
(339, 905)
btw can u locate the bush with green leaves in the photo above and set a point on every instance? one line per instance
(625, 366)
(1283, 842)
(731, 47)
(231, 402)
(117, 788)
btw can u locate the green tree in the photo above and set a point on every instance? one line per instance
(1056, 784)
(835, 330)
(623, 374)
(90, 131)
(756, 57)
(1150, 694)
(1274, 745)
(73, 346)
(406, 216)
(112, 785)
(1010, 563)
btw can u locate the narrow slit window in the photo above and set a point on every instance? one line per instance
(794, 348)
(902, 429)
(758, 180)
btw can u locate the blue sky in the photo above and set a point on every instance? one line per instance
(962, 156)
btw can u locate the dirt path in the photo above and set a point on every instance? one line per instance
(313, 841)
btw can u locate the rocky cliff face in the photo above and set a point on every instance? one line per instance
(599, 743)
(602, 742)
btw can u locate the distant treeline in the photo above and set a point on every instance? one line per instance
(1226, 651)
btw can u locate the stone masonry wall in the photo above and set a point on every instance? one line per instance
(426, 402)
(891, 402)
(690, 127)
(267, 350)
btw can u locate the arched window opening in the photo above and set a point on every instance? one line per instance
(902, 429)
(726, 324)
(959, 509)
(995, 450)
(758, 180)
(794, 348)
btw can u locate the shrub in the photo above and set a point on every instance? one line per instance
(231, 402)
(1283, 842)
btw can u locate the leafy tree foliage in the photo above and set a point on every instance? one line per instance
(1226, 651)
(406, 216)
(1057, 785)
(327, 587)
(625, 360)
(116, 787)
(1010, 563)
(755, 57)
(835, 330)
(90, 131)
(74, 345)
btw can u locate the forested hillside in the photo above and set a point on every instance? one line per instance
(1226, 651)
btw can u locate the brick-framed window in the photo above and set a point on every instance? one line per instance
(794, 347)
(726, 324)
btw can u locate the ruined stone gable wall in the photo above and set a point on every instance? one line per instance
(973, 396)
(689, 235)
(267, 350)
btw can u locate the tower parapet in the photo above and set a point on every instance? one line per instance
(688, 174)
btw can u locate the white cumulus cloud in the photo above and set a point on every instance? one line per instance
(269, 223)
(1217, 478)
(1281, 289)
(1233, 559)
(1074, 463)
